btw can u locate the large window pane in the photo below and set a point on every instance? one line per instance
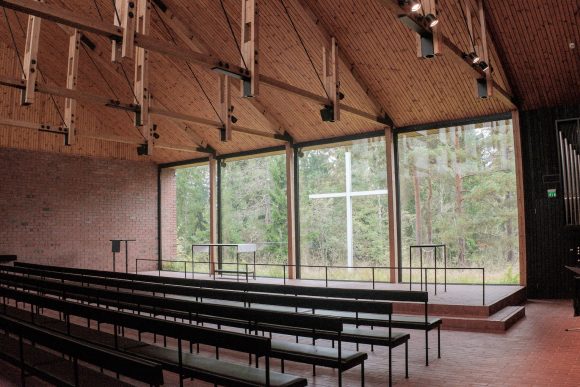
(458, 187)
(254, 209)
(343, 209)
(192, 207)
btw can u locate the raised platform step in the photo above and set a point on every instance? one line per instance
(498, 322)
(517, 297)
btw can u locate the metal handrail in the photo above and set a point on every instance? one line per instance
(326, 268)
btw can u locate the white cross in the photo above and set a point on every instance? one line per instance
(348, 195)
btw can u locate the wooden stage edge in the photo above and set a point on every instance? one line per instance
(460, 307)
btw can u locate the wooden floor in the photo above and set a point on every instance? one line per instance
(535, 352)
(455, 294)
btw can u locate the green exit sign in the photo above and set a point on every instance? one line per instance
(552, 193)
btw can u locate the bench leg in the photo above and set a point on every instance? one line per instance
(362, 374)
(427, 348)
(439, 341)
(339, 377)
(313, 370)
(390, 367)
(407, 359)
(282, 365)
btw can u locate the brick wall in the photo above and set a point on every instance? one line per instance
(168, 214)
(62, 210)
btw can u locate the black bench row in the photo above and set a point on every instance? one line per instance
(27, 352)
(424, 323)
(381, 310)
(273, 321)
(186, 365)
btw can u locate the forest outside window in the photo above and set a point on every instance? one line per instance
(458, 187)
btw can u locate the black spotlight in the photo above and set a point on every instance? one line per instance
(327, 113)
(482, 88)
(414, 5)
(142, 150)
(234, 119)
(431, 20)
(156, 135)
(484, 66)
(223, 137)
(473, 57)
(427, 45)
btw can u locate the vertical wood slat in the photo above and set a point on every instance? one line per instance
(141, 82)
(392, 201)
(250, 47)
(225, 99)
(70, 104)
(291, 210)
(117, 21)
(30, 59)
(484, 48)
(128, 23)
(520, 196)
(330, 76)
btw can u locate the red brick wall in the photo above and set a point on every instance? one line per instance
(168, 214)
(62, 210)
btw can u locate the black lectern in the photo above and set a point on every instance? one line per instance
(116, 248)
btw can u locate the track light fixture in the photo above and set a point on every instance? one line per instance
(413, 5)
(327, 113)
(142, 150)
(473, 57)
(484, 66)
(234, 119)
(431, 20)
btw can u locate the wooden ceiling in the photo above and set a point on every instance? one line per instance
(379, 70)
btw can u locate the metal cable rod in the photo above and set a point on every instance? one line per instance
(304, 47)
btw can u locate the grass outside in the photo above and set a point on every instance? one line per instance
(499, 276)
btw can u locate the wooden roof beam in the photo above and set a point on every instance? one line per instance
(30, 60)
(324, 30)
(192, 40)
(216, 124)
(75, 94)
(412, 22)
(71, 19)
(70, 104)
(101, 136)
(199, 140)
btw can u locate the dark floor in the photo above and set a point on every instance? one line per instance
(537, 351)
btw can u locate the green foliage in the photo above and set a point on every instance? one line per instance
(464, 179)
(457, 187)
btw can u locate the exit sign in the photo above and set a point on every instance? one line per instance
(552, 193)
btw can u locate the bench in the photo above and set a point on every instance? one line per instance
(252, 320)
(136, 283)
(55, 369)
(184, 364)
(424, 323)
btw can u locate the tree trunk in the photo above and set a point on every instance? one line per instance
(429, 215)
(458, 195)
(417, 194)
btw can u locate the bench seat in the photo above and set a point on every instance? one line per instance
(53, 368)
(381, 320)
(316, 355)
(193, 365)
(197, 366)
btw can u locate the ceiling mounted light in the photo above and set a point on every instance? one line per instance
(473, 57)
(431, 20)
(484, 66)
(413, 5)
